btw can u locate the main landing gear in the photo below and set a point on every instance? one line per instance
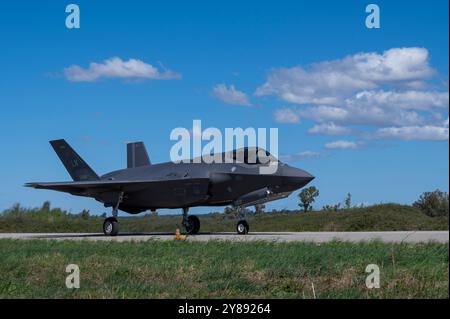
(111, 225)
(242, 226)
(191, 222)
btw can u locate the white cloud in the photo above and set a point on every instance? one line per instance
(329, 81)
(424, 133)
(305, 155)
(360, 115)
(342, 145)
(329, 129)
(286, 115)
(230, 95)
(353, 90)
(117, 68)
(323, 113)
(412, 99)
(309, 154)
(388, 91)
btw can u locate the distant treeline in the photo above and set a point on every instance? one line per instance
(382, 217)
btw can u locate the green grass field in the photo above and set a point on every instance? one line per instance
(379, 217)
(36, 269)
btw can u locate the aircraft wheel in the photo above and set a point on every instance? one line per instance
(242, 227)
(193, 225)
(110, 226)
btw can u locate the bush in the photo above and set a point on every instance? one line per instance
(331, 208)
(259, 209)
(84, 214)
(433, 203)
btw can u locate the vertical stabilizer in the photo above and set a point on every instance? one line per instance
(78, 169)
(137, 155)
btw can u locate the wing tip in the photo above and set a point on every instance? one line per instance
(31, 184)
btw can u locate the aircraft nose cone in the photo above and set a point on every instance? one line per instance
(295, 176)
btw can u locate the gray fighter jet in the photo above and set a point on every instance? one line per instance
(232, 178)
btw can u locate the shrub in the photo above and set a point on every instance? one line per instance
(84, 214)
(433, 203)
(332, 208)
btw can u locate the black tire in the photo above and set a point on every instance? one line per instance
(110, 226)
(242, 227)
(193, 225)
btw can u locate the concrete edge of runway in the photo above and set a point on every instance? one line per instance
(316, 237)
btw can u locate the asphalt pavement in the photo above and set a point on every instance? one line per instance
(316, 237)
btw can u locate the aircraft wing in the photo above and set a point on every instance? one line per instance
(90, 188)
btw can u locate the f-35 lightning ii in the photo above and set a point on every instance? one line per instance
(234, 180)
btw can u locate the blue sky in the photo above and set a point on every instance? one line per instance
(364, 110)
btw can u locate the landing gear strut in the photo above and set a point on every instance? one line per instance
(111, 225)
(242, 226)
(191, 223)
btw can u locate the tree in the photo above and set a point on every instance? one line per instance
(307, 197)
(348, 201)
(332, 208)
(259, 209)
(84, 214)
(46, 206)
(433, 203)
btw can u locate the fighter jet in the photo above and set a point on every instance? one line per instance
(229, 178)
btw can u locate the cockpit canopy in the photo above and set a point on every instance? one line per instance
(251, 155)
(245, 155)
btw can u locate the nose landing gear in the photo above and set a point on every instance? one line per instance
(242, 226)
(191, 223)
